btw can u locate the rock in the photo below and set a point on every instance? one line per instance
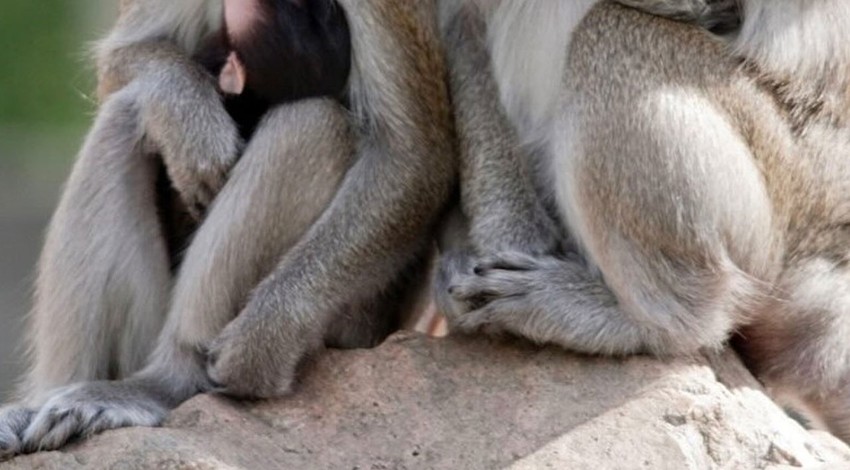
(464, 403)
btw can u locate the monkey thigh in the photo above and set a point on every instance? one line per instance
(104, 277)
(284, 182)
(286, 178)
(667, 201)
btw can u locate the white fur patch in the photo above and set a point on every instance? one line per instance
(796, 36)
(528, 45)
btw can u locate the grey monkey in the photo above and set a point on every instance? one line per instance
(701, 181)
(314, 232)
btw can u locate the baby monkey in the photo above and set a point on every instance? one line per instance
(276, 51)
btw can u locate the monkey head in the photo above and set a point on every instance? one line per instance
(285, 50)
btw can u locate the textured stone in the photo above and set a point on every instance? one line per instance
(463, 403)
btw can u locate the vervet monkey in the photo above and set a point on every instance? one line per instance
(313, 236)
(704, 181)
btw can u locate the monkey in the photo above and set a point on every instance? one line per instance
(313, 235)
(298, 50)
(661, 191)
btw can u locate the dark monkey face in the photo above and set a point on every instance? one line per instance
(276, 51)
(293, 49)
(281, 50)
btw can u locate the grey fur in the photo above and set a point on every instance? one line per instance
(710, 14)
(315, 236)
(704, 182)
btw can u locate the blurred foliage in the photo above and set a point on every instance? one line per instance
(47, 73)
(47, 82)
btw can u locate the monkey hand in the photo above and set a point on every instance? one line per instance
(198, 140)
(500, 293)
(13, 421)
(257, 354)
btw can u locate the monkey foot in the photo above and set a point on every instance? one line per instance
(85, 409)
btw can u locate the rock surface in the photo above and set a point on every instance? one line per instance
(465, 403)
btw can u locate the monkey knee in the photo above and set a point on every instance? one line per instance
(308, 117)
(683, 309)
(312, 134)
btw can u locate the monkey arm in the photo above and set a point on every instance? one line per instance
(181, 110)
(497, 192)
(382, 216)
(153, 37)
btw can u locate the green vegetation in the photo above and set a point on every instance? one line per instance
(45, 103)
(47, 75)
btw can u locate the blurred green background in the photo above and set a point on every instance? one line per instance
(45, 107)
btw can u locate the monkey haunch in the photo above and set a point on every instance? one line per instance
(706, 184)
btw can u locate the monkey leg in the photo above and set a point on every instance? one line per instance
(103, 278)
(669, 209)
(287, 177)
(668, 203)
(282, 184)
(367, 323)
(798, 344)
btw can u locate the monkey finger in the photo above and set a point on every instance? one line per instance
(470, 291)
(476, 292)
(497, 317)
(509, 261)
(484, 320)
(198, 201)
(500, 283)
(212, 182)
(207, 190)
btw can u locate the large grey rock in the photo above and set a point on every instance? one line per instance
(465, 403)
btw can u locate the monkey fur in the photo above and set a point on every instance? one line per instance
(683, 191)
(316, 236)
(289, 51)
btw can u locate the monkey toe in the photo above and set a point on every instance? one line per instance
(10, 444)
(51, 429)
(13, 422)
(492, 284)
